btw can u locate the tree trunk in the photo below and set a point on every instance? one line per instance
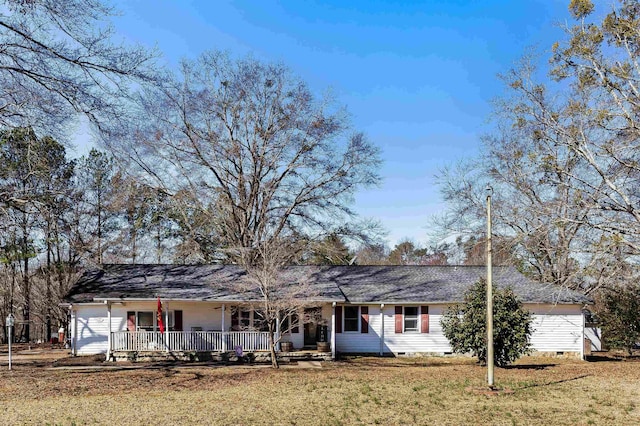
(134, 236)
(48, 278)
(99, 228)
(272, 348)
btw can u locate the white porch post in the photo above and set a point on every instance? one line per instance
(333, 330)
(277, 335)
(74, 322)
(109, 341)
(583, 337)
(166, 326)
(224, 331)
(381, 329)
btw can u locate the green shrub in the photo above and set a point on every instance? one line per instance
(619, 314)
(465, 325)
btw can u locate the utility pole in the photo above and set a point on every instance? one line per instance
(489, 190)
(10, 322)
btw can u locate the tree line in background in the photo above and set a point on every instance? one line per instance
(57, 60)
(238, 161)
(564, 161)
(225, 160)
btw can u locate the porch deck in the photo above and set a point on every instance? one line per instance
(219, 357)
(188, 341)
(187, 345)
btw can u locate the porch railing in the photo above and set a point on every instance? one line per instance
(198, 341)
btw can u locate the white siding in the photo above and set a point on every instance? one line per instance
(205, 315)
(594, 334)
(357, 342)
(92, 329)
(557, 328)
(298, 338)
(434, 341)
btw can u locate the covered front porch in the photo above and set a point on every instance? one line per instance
(200, 329)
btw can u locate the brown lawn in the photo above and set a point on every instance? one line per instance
(353, 391)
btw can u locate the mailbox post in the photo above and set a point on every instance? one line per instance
(10, 322)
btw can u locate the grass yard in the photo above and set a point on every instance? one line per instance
(354, 391)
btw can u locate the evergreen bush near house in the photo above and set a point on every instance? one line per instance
(620, 317)
(465, 325)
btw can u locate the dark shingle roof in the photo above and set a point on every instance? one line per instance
(185, 282)
(435, 284)
(353, 284)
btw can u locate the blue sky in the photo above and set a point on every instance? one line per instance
(416, 76)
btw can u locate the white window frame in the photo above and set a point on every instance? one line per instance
(153, 320)
(154, 312)
(251, 319)
(344, 319)
(404, 320)
(289, 320)
(248, 318)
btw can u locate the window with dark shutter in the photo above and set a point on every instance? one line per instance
(411, 319)
(131, 321)
(398, 319)
(351, 318)
(424, 319)
(177, 320)
(364, 319)
(338, 319)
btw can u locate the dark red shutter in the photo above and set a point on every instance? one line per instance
(398, 319)
(131, 321)
(338, 319)
(424, 319)
(177, 320)
(295, 320)
(235, 316)
(364, 319)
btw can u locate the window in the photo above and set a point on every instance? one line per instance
(411, 319)
(290, 323)
(148, 320)
(259, 323)
(245, 319)
(145, 320)
(351, 318)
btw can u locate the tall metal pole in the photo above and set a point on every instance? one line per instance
(10, 323)
(489, 293)
(10, 338)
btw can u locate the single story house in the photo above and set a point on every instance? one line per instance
(354, 309)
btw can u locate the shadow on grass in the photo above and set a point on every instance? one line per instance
(529, 366)
(555, 382)
(602, 358)
(392, 362)
(613, 357)
(169, 368)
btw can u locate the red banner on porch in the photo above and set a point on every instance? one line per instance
(160, 322)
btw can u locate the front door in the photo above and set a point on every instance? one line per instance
(312, 317)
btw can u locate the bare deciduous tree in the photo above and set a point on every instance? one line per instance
(283, 294)
(251, 140)
(564, 157)
(58, 58)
